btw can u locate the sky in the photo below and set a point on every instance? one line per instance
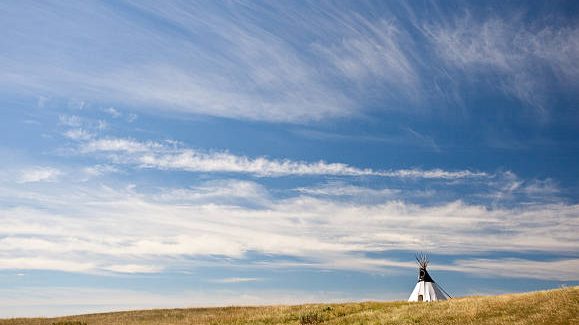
(210, 153)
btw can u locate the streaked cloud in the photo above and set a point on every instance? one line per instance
(267, 78)
(371, 53)
(405, 137)
(173, 156)
(511, 50)
(314, 62)
(121, 231)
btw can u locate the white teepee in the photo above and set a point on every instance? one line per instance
(426, 289)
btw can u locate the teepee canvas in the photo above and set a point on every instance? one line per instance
(426, 289)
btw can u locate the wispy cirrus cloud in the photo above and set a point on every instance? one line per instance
(267, 78)
(310, 63)
(371, 54)
(406, 136)
(150, 154)
(510, 50)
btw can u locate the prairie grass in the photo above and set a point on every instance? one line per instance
(559, 306)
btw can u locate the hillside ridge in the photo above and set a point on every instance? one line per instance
(557, 306)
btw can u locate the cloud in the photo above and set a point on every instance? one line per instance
(343, 189)
(133, 268)
(98, 170)
(508, 187)
(79, 128)
(371, 53)
(70, 120)
(236, 280)
(112, 112)
(558, 270)
(267, 78)
(407, 137)
(175, 157)
(510, 51)
(302, 64)
(226, 192)
(125, 230)
(39, 174)
(42, 263)
(78, 134)
(120, 145)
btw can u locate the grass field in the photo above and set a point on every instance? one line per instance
(560, 306)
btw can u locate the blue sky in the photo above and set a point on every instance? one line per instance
(217, 153)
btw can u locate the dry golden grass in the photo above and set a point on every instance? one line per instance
(560, 306)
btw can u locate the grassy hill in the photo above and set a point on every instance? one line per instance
(560, 306)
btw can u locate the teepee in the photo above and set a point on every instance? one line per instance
(426, 289)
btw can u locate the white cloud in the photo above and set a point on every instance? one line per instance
(98, 170)
(235, 192)
(39, 174)
(558, 270)
(432, 173)
(78, 134)
(327, 60)
(112, 112)
(372, 52)
(129, 231)
(175, 157)
(195, 161)
(248, 72)
(120, 145)
(236, 280)
(546, 187)
(513, 51)
(81, 128)
(343, 189)
(508, 187)
(42, 263)
(133, 268)
(70, 120)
